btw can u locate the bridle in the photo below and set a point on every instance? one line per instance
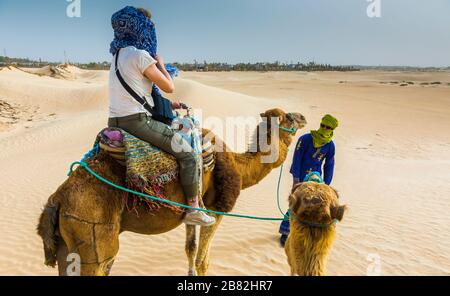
(289, 130)
(314, 224)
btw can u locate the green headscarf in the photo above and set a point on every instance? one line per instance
(322, 136)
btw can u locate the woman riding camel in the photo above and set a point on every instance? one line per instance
(136, 74)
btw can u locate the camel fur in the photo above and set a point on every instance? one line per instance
(86, 216)
(308, 244)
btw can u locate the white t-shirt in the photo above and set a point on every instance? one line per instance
(132, 64)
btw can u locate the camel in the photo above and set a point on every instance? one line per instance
(85, 216)
(314, 210)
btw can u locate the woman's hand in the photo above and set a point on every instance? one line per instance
(176, 105)
(179, 105)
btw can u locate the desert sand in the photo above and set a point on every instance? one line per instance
(392, 167)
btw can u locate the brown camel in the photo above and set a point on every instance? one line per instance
(314, 210)
(85, 216)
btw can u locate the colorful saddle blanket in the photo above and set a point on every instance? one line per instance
(148, 168)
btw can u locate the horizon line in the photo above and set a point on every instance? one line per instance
(236, 63)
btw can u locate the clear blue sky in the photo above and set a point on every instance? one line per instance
(410, 32)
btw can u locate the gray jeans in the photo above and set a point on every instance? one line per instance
(160, 135)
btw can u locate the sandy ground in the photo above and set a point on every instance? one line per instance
(392, 167)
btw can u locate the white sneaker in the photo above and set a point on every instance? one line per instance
(198, 218)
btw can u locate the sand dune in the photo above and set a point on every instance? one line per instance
(392, 168)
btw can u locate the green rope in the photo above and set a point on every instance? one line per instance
(289, 130)
(84, 165)
(278, 194)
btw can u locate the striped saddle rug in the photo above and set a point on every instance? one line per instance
(148, 168)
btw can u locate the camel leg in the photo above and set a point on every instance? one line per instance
(290, 257)
(191, 247)
(206, 237)
(91, 247)
(61, 257)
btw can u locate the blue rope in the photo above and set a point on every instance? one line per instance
(91, 153)
(278, 195)
(290, 130)
(85, 166)
(96, 149)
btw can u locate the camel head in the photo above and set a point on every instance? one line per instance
(291, 121)
(316, 203)
(314, 209)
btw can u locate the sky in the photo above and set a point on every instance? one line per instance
(338, 32)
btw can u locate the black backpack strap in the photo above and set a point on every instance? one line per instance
(138, 98)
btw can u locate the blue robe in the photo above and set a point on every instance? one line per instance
(308, 159)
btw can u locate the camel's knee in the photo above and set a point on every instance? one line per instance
(191, 240)
(191, 248)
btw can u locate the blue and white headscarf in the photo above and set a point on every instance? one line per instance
(133, 28)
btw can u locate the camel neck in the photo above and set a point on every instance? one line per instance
(254, 166)
(313, 244)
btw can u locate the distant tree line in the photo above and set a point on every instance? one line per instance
(205, 66)
(221, 67)
(260, 67)
(27, 63)
(94, 66)
(23, 62)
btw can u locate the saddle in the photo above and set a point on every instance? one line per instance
(148, 168)
(114, 144)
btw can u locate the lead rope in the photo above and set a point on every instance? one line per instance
(278, 194)
(87, 168)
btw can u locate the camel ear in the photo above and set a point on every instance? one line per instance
(338, 212)
(294, 203)
(296, 186)
(335, 191)
(274, 113)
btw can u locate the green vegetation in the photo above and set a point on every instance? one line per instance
(95, 66)
(201, 67)
(27, 63)
(260, 67)
(221, 67)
